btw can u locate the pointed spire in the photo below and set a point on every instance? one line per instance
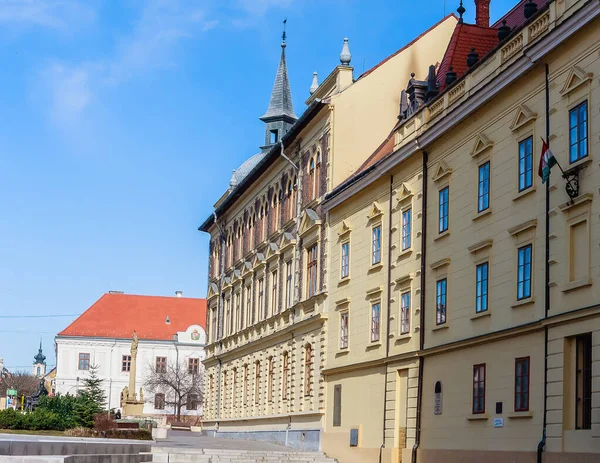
(315, 83)
(281, 97)
(461, 10)
(345, 56)
(40, 357)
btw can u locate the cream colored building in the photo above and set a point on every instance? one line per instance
(481, 363)
(268, 291)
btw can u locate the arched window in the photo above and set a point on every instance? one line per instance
(270, 379)
(318, 175)
(307, 369)
(225, 391)
(234, 389)
(256, 381)
(284, 376)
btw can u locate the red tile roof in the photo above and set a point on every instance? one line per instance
(412, 42)
(465, 37)
(118, 315)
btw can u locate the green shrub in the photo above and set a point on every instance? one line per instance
(11, 419)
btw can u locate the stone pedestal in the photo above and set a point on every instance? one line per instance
(133, 407)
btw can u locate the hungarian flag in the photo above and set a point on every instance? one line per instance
(547, 160)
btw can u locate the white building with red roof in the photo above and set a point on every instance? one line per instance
(171, 330)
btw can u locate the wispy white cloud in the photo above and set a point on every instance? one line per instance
(55, 14)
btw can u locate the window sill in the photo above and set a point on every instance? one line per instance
(520, 415)
(375, 268)
(524, 193)
(477, 417)
(404, 336)
(584, 283)
(407, 252)
(580, 164)
(373, 345)
(342, 352)
(482, 214)
(522, 302)
(440, 327)
(479, 315)
(344, 281)
(442, 235)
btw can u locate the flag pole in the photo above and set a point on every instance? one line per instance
(564, 175)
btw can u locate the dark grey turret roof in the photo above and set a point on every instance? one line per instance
(281, 96)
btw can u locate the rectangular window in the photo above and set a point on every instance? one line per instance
(237, 323)
(481, 288)
(126, 363)
(307, 369)
(161, 364)
(524, 273)
(256, 382)
(405, 313)
(583, 382)
(337, 405)
(578, 142)
(483, 187)
(522, 384)
(213, 329)
(444, 199)
(245, 392)
(440, 302)
(375, 321)
(376, 245)
(84, 362)
(289, 294)
(274, 293)
(159, 401)
(406, 225)
(312, 270)
(345, 260)
(479, 388)
(249, 311)
(192, 402)
(193, 366)
(526, 164)
(261, 297)
(344, 330)
(284, 379)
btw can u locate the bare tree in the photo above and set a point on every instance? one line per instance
(179, 384)
(25, 383)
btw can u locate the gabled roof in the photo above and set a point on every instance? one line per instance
(281, 96)
(412, 42)
(119, 315)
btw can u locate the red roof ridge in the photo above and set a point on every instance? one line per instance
(409, 44)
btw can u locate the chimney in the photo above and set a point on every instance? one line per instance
(178, 293)
(482, 13)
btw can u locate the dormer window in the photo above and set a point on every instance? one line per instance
(274, 136)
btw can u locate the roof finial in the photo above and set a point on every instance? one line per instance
(345, 56)
(315, 83)
(461, 10)
(284, 35)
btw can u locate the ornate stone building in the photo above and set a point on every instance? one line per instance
(268, 274)
(463, 290)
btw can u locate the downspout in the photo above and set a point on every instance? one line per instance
(422, 303)
(387, 317)
(286, 158)
(542, 443)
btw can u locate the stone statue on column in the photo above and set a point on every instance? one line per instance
(132, 406)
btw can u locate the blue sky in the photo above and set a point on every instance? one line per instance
(120, 124)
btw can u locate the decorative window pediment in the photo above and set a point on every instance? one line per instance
(344, 231)
(481, 145)
(272, 250)
(523, 116)
(286, 240)
(530, 224)
(576, 78)
(442, 170)
(373, 292)
(259, 259)
(440, 263)
(375, 212)
(310, 219)
(213, 290)
(404, 194)
(481, 246)
(246, 267)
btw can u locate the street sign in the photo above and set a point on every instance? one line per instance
(11, 392)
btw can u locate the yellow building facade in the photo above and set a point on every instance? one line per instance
(452, 335)
(268, 293)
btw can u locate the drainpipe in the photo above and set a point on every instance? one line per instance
(219, 312)
(542, 443)
(388, 310)
(286, 158)
(422, 303)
